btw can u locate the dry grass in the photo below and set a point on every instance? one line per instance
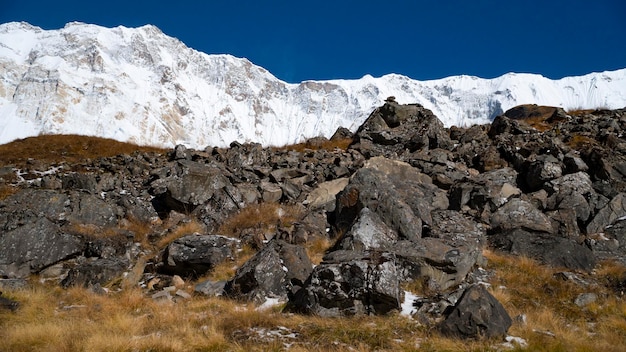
(65, 148)
(51, 318)
(188, 227)
(579, 142)
(341, 144)
(580, 112)
(264, 216)
(553, 321)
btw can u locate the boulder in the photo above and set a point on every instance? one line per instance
(394, 129)
(195, 255)
(35, 246)
(276, 271)
(401, 195)
(477, 314)
(350, 283)
(546, 248)
(95, 271)
(440, 265)
(368, 232)
(517, 213)
(186, 184)
(608, 215)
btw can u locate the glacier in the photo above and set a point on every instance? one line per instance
(139, 85)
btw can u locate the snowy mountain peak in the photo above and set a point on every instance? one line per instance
(142, 86)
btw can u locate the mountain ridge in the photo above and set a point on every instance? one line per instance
(139, 85)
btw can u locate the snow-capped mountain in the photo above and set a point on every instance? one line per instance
(142, 86)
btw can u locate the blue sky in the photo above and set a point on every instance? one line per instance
(300, 40)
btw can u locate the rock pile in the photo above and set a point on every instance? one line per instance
(408, 201)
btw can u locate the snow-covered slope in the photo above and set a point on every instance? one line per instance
(139, 85)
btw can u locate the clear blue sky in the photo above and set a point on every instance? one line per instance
(299, 40)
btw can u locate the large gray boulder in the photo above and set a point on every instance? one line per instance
(440, 265)
(547, 248)
(195, 255)
(186, 184)
(402, 196)
(276, 271)
(477, 314)
(394, 129)
(350, 283)
(34, 246)
(95, 271)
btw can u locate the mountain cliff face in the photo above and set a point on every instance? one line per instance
(142, 86)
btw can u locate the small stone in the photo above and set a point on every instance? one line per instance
(178, 282)
(183, 294)
(162, 295)
(585, 299)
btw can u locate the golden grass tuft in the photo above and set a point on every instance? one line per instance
(579, 142)
(264, 216)
(65, 148)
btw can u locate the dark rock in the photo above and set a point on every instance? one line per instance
(546, 248)
(195, 255)
(477, 315)
(34, 246)
(356, 284)
(98, 271)
(277, 270)
(8, 304)
(394, 129)
(91, 209)
(190, 185)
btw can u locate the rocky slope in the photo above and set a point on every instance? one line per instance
(408, 201)
(139, 85)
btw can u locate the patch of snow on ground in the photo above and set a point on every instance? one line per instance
(407, 306)
(269, 303)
